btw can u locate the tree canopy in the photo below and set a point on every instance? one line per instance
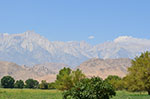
(7, 82)
(31, 83)
(67, 78)
(138, 78)
(116, 81)
(19, 84)
(43, 85)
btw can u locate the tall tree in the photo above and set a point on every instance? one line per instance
(77, 76)
(64, 79)
(138, 78)
(67, 78)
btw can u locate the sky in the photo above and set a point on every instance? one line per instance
(93, 21)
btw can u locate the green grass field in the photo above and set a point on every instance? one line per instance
(131, 95)
(55, 94)
(29, 94)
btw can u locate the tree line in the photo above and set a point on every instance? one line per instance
(9, 82)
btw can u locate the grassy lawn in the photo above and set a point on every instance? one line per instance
(29, 94)
(55, 94)
(131, 95)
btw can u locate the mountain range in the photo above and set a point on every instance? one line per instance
(30, 48)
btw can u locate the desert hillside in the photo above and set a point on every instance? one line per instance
(103, 68)
(39, 72)
(48, 71)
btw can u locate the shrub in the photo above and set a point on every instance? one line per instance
(94, 88)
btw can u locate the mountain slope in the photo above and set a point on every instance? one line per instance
(48, 71)
(103, 68)
(39, 72)
(29, 48)
(18, 72)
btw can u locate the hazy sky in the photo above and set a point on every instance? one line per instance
(94, 21)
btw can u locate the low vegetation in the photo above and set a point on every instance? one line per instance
(56, 94)
(131, 95)
(29, 94)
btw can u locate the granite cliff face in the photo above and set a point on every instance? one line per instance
(29, 48)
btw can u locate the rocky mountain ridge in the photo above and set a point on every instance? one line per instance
(29, 48)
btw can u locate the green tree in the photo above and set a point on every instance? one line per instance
(94, 88)
(67, 78)
(138, 78)
(64, 79)
(77, 76)
(19, 84)
(43, 85)
(112, 77)
(7, 82)
(51, 85)
(116, 81)
(31, 83)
